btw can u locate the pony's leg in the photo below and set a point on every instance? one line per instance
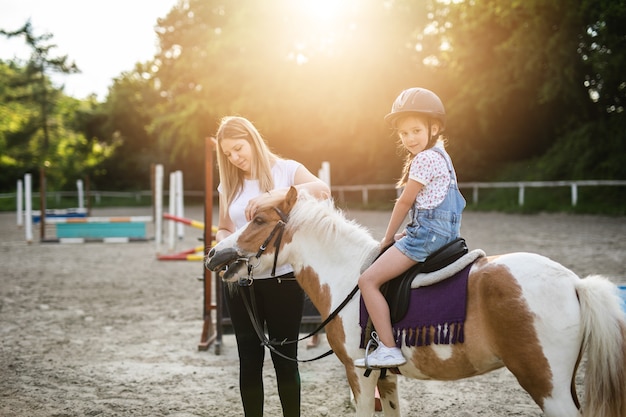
(551, 387)
(388, 389)
(364, 393)
(544, 356)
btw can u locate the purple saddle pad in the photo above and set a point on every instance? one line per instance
(436, 314)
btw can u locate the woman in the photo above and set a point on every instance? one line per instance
(251, 177)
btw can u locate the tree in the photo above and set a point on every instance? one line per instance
(603, 46)
(317, 93)
(39, 126)
(38, 65)
(125, 122)
(516, 78)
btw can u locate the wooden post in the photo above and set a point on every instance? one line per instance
(208, 329)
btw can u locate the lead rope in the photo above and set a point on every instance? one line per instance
(330, 317)
(252, 313)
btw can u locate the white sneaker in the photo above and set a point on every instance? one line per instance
(381, 357)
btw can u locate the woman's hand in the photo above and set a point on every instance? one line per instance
(262, 201)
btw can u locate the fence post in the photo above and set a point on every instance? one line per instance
(520, 196)
(324, 172)
(20, 201)
(28, 203)
(158, 207)
(172, 225)
(180, 206)
(81, 195)
(574, 194)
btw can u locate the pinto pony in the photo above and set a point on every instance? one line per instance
(524, 312)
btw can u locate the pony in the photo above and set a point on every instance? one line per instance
(524, 312)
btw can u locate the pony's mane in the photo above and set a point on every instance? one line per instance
(325, 220)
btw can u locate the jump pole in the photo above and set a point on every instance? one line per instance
(209, 333)
(188, 222)
(195, 254)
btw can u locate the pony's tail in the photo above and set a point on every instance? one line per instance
(604, 327)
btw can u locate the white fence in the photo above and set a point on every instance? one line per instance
(341, 190)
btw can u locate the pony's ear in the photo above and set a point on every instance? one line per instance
(290, 199)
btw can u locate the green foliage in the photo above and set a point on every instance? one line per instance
(592, 151)
(124, 121)
(512, 78)
(533, 90)
(608, 200)
(67, 153)
(38, 124)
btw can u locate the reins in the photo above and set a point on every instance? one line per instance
(271, 345)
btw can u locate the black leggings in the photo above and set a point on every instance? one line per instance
(279, 306)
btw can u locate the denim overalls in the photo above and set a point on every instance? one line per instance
(430, 229)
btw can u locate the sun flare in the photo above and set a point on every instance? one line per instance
(324, 11)
(319, 26)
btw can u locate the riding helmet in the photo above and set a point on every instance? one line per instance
(417, 100)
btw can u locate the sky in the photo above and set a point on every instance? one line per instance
(103, 37)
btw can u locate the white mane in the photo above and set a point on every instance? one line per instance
(330, 227)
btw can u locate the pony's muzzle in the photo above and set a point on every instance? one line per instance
(218, 260)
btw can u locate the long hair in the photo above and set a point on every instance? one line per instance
(231, 177)
(408, 158)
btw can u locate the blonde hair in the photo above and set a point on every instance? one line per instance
(408, 158)
(231, 177)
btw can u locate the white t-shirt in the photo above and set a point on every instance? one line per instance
(430, 168)
(284, 174)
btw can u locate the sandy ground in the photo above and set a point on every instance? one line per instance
(108, 330)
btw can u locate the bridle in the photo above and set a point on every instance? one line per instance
(277, 231)
(250, 305)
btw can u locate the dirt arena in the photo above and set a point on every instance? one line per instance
(108, 330)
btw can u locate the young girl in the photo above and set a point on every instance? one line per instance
(432, 197)
(252, 177)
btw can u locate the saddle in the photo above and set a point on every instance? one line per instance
(397, 291)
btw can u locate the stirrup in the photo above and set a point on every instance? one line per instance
(373, 339)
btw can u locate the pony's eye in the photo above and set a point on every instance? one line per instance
(258, 220)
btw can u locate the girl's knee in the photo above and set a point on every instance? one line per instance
(365, 282)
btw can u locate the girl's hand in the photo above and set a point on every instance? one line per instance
(384, 243)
